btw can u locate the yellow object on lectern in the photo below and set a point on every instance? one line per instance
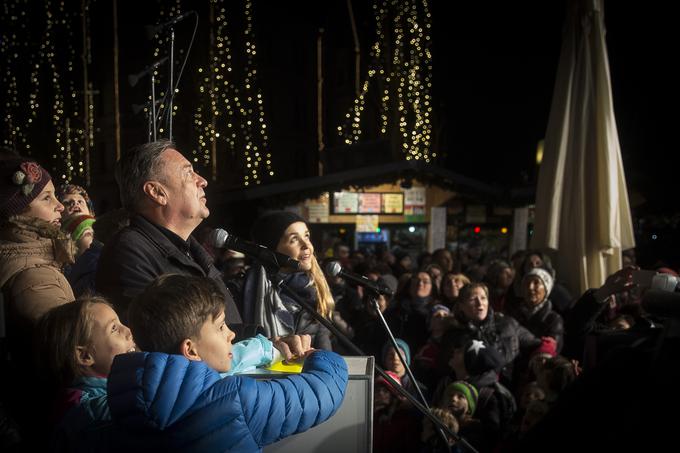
(286, 367)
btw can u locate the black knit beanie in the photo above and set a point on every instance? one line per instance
(268, 229)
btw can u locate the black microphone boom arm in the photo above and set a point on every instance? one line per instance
(333, 269)
(270, 259)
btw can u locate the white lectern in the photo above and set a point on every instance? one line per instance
(350, 429)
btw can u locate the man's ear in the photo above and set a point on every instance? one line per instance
(83, 356)
(188, 349)
(156, 191)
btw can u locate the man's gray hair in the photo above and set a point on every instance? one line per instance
(137, 166)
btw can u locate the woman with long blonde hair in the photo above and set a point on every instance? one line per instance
(264, 304)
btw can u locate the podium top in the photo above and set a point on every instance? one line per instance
(358, 367)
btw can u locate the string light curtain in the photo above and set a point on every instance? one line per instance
(230, 119)
(15, 47)
(42, 70)
(400, 73)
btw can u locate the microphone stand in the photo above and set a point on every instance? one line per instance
(172, 86)
(277, 280)
(152, 122)
(172, 79)
(374, 298)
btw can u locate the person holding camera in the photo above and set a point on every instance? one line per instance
(605, 317)
(615, 363)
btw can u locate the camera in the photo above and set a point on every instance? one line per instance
(654, 280)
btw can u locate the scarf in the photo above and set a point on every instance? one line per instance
(275, 312)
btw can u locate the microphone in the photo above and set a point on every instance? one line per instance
(134, 78)
(334, 269)
(219, 238)
(152, 30)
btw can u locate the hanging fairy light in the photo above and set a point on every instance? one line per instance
(215, 91)
(51, 58)
(230, 114)
(407, 84)
(67, 124)
(15, 122)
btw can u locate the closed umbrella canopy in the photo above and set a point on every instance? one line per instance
(582, 208)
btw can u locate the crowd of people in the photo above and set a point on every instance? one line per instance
(129, 329)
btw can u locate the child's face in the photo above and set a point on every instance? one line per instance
(213, 344)
(393, 363)
(458, 403)
(109, 338)
(296, 243)
(75, 204)
(45, 206)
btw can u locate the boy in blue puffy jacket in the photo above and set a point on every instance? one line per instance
(172, 396)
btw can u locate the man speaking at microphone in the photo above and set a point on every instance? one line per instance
(166, 199)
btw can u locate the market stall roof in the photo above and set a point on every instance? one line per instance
(297, 190)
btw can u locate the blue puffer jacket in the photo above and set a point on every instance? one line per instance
(169, 402)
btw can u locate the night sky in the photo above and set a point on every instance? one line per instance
(500, 63)
(494, 68)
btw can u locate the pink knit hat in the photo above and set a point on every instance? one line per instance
(382, 381)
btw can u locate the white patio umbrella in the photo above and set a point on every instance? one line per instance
(582, 209)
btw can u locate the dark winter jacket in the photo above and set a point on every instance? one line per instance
(81, 275)
(290, 316)
(140, 253)
(587, 334)
(407, 319)
(545, 322)
(504, 333)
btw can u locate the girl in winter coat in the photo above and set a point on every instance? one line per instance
(76, 346)
(33, 249)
